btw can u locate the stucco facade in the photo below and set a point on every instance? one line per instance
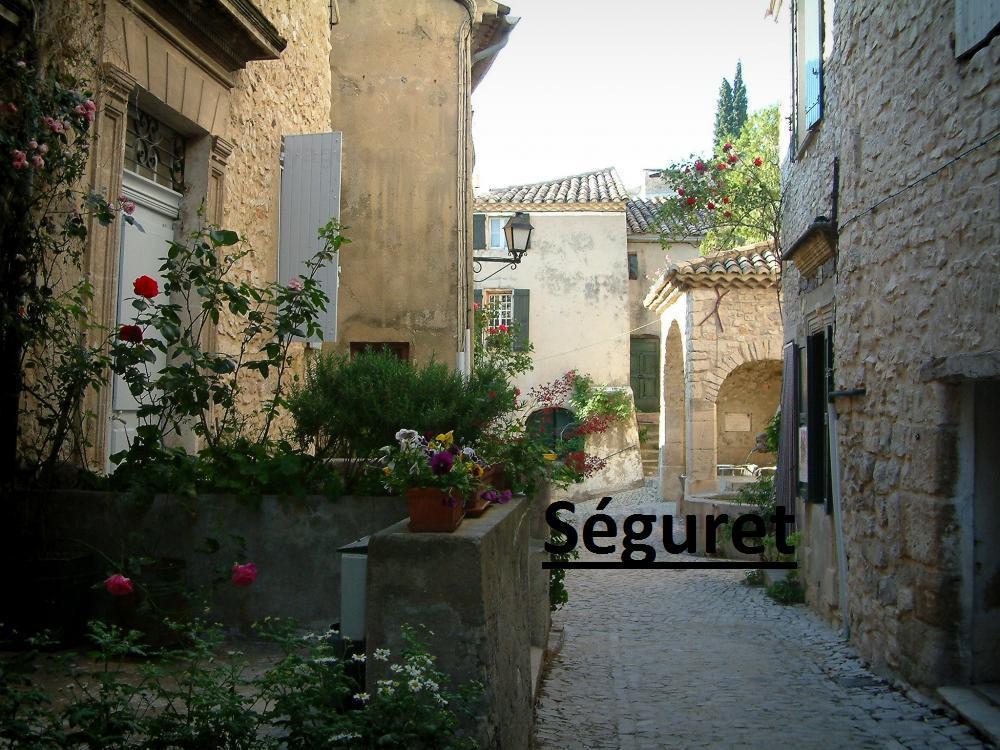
(905, 275)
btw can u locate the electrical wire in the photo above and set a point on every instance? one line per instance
(596, 343)
(886, 199)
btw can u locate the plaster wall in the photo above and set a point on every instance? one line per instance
(401, 86)
(915, 280)
(653, 259)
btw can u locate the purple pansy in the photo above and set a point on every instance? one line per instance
(442, 462)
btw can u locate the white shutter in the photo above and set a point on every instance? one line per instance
(310, 197)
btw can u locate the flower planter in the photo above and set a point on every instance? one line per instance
(475, 507)
(433, 509)
(496, 476)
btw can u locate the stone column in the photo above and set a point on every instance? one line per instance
(701, 446)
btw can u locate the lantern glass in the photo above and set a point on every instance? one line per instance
(517, 232)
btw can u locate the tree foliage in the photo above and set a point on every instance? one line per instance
(731, 110)
(732, 197)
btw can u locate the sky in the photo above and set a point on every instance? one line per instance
(587, 84)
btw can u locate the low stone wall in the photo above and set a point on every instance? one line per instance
(620, 445)
(702, 506)
(293, 542)
(482, 595)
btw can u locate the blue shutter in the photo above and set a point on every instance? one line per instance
(812, 60)
(310, 197)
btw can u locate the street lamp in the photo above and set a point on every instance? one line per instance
(517, 234)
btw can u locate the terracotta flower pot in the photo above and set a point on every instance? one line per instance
(433, 509)
(476, 506)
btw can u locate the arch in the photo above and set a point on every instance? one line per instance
(748, 350)
(746, 401)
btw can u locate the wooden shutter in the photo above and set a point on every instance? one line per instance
(478, 231)
(812, 60)
(519, 307)
(478, 297)
(976, 22)
(310, 197)
(786, 479)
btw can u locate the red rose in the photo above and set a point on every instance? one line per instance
(517, 391)
(725, 199)
(691, 201)
(711, 205)
(727, 147)
(728, 214)
(758, 162)
(699, 166)
(118, 585)
(245, 574)
(721, 165)
(503, 329)
(493, 394)
(680, 191)
(131, 334)
(146, 287)
(733, 158)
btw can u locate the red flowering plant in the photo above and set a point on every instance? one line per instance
(731, 197)
(51, 351)
(179, 384)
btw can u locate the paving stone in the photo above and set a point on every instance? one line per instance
(688, 659)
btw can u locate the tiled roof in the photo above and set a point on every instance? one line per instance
(748, 266)
(640, 214)
(598, 187)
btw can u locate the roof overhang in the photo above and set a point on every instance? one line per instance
(814, 247)
(490, 34)
(594, 207)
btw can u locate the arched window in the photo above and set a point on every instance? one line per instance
(548, 424)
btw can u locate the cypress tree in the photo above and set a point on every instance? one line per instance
(723, 114)
(738, 111)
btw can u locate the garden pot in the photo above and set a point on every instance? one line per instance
(433, 509)
(160, 594)
(498, 478)
(475, 507)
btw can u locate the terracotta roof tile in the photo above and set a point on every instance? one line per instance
(641, 214)
(599, 186)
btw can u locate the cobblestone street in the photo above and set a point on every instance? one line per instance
(696, 659)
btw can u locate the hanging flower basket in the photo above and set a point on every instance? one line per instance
(434, 509)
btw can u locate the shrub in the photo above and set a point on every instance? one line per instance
(348, 408)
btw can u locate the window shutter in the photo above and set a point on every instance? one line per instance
(478, 231)
(812, 70)
(786, 479)
(519, 308)
(478, 297)
(976, 22)
(310, 197)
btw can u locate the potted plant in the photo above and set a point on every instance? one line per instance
(435, 474)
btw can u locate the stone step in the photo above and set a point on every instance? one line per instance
(976, 705)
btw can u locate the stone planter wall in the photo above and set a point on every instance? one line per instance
(482, 595)
(293, 542)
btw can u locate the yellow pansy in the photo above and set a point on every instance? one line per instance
(386, 470)
(447, 438)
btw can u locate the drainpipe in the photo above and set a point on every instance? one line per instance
(838, 510)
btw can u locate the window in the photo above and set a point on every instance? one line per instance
(401, 349)
(154, 150)
(633, 266)
(508, 307)
(550, 425)
(497, 239)
(500, 308)
(807, 70)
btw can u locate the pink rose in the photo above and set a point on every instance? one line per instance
(43, 148)
(38, 161)
(20, 159)
(119, 585)
(245, 574)
(128, 207)
(295, 284)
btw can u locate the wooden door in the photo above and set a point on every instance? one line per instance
(645, 373)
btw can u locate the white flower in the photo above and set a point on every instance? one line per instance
(469, 452)
(358, 657)
(325, 660)
(405, 438)
(362, 697)
(381, 654)
(396, 668)
(441, 700)
(415, 685)
(347, 736)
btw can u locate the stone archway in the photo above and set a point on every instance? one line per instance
(673, 421)
(746, 401)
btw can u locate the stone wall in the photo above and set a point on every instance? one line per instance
(916, 279)
(747, 401)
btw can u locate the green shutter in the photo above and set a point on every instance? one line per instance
(478, 231)
(478, 296)
(519, 303)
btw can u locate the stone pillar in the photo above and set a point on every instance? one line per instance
(471, 590)
(701, 446)
(101, 263)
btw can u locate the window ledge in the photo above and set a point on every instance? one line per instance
(807, 140)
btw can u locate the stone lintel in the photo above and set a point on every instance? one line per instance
(958, 367)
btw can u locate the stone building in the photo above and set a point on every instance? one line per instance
(720, 328)
(568, 295)
(892, 333)
(238, 109)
